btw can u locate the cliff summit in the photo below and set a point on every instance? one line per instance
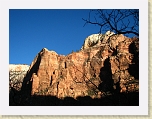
(106, 64)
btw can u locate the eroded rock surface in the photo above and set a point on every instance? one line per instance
(110, 67)
(16, 75)
(96, 40)
(103, 73)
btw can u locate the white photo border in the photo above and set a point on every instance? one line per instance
(142, 109)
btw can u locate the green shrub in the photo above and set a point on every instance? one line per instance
(91, 92)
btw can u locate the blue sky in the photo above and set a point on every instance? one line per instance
(60, 30)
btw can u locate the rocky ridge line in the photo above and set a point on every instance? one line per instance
(104, 68)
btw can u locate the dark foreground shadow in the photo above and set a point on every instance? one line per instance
(123, 99)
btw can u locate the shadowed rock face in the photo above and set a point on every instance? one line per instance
(108, 68)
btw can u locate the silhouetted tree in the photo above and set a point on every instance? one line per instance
(120, 21)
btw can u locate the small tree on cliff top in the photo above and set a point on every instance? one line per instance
(120, 21)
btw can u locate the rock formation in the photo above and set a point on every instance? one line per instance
(107, 64)
(96, 39)
(16, 75)
(110, 67)
(91, 41)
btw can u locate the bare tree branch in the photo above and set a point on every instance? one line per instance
(120, 21)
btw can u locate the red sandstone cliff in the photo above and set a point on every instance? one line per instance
(106, 68)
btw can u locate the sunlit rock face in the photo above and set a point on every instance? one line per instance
(18, 67)
(16, 75)
(96, 40)
(110, 67)
(92, 40)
